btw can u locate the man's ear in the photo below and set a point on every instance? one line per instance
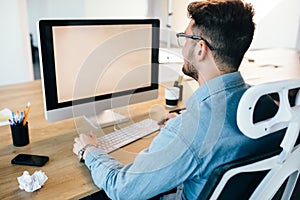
(201, 50)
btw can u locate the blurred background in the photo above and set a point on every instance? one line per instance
(278, 26)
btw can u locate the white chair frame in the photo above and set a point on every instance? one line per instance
(284, 166)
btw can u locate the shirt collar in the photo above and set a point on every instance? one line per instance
(218, 84)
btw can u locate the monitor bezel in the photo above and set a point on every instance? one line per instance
(47, 65)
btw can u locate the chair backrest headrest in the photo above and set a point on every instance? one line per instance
(286, 116)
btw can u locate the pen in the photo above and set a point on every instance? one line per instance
(178, 111)
(21, 117)
(17, 117)
(13, 117)
(11, 122)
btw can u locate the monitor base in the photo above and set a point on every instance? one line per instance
(105, 118)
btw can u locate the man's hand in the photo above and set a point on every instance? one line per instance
(82, 141)
(165, 118)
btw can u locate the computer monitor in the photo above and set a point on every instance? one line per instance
(91, 66)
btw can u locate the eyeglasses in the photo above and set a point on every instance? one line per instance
(181, 38)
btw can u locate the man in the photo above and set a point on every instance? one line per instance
(206, 135)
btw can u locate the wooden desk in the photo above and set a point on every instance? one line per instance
(67, 178)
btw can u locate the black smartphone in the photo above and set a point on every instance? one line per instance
(28, 159)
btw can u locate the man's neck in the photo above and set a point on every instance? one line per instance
(207, 75)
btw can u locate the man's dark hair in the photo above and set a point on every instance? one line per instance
(228, 27)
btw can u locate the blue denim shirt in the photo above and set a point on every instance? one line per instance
(185, 151)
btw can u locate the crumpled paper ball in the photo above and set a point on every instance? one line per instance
(32, 183)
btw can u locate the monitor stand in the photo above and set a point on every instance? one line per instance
(105, 118)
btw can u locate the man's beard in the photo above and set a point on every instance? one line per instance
(189, 70)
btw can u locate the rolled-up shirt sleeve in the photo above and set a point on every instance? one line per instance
(154, 170)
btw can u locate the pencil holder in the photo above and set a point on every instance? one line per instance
(20, 135)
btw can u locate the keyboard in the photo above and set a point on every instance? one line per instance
(118, 138)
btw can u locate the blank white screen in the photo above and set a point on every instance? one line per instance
(103, 59)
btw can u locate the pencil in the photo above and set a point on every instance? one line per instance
(26, 111)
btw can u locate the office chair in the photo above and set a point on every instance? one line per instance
(269, 176)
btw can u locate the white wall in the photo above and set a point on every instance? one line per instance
(115, 9)
(298, 38)
(279, 27)
(15, 55)
(83, 9)
(277, 22)
(38, 9)
(179, 20)
(275, 18)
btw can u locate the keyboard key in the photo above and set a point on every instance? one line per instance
(126, 135)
